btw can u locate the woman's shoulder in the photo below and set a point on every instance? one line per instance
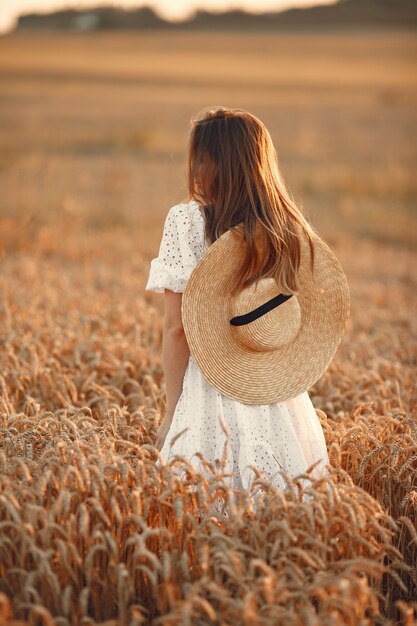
(186, 213)
(189, 208)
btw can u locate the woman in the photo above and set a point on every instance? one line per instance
(233, 179)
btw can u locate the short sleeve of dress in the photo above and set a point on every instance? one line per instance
(177, 255)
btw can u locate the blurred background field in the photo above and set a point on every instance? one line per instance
(92, 156)
(105, 116)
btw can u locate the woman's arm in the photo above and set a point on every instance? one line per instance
(175, 350)
(175, 354)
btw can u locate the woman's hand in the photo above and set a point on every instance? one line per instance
(163, 430)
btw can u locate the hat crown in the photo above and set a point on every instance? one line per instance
(270, 330)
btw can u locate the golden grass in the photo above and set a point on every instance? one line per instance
(93, 529)
(82, 512)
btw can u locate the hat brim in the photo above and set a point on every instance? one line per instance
(267, 377)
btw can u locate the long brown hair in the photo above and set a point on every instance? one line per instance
(233, 174)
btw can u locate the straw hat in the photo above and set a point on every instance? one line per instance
(275, 352)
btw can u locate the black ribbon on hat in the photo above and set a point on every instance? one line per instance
(240, 320)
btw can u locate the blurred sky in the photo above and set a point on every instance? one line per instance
(170, 9)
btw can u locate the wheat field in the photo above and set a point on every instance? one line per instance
(92, 148)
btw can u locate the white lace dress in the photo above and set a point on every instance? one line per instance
(281, 436)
